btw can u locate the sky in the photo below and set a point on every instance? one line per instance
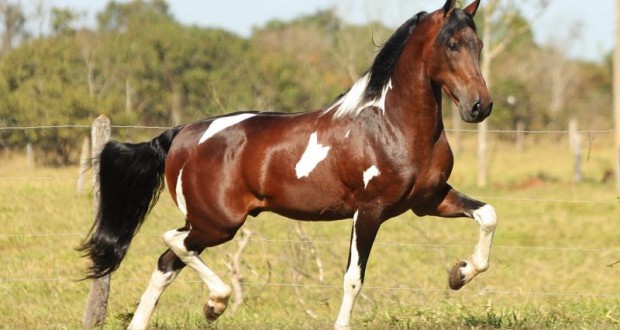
(585, 28)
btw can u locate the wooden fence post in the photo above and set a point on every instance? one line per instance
(85, 155)
(616, 88)
(29, 155)
(97, 304)
(457, 130)
(520, 135)
(574, 139)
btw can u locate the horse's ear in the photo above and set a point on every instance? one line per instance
(473, 8)
(448, 7)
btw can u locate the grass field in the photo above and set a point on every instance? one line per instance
(554, 263)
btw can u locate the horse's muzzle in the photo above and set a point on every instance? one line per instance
(478, 112)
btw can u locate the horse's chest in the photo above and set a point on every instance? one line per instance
(432, 170)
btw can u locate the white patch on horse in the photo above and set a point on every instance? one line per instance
(352, 282)
(479, 261)
(381, 101)
(219, 291)
(369, 174)
(222, 123)
(314, 154)
(351, 102)
(159, 282)
(355, 257)
(486, 217)
(347, 134)
(181, 204)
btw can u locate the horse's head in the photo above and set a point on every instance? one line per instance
(452, 60)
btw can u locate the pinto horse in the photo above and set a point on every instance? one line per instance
(378, 151)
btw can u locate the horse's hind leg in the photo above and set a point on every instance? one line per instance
(178, 241)
(168, 267)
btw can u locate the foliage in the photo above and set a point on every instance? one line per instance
(140, 66)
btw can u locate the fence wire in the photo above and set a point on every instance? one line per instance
(497, 131)
(329, 242)
(337, 286)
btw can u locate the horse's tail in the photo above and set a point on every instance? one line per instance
(131, 176)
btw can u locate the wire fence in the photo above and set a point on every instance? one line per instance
(590, 131)
(337, 286)
(507, 199)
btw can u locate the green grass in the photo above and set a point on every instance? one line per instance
(551, 267)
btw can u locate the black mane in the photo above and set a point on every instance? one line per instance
(377, 79)
(384, 64)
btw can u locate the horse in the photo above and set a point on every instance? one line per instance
(377, 151)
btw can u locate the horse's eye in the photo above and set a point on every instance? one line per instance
(453, 46)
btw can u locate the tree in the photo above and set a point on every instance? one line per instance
(300, 63)
(13, 23)
(62, 19)
(122, 16)
(617, 97)
(45, 87)
(501, 25)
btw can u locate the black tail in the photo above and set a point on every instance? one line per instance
(131, 176)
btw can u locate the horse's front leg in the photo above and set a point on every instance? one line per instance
(455, 204)
(365, 227)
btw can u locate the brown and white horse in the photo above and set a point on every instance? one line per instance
(379, 150)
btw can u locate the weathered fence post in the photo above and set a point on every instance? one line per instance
(97, 304)
(457, 132)
(574, 139)
(85, 155)
(616, 88)
(520, 135)
(29, 155)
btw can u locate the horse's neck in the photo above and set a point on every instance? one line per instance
(415, 105)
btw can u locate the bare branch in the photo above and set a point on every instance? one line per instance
(300, 298)
(613, 264)
(235, 267)
(319, 264)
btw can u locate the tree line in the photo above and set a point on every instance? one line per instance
(141, 66)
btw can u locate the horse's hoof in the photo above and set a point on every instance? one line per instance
(214, 308)
(457, 278)
(210, 313)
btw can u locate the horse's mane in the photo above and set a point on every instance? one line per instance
(385, 61)
(371, 86)
(370, 90)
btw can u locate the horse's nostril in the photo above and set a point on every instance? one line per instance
(475, 111)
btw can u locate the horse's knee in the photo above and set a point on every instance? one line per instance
(486, 218)
(174, 238)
